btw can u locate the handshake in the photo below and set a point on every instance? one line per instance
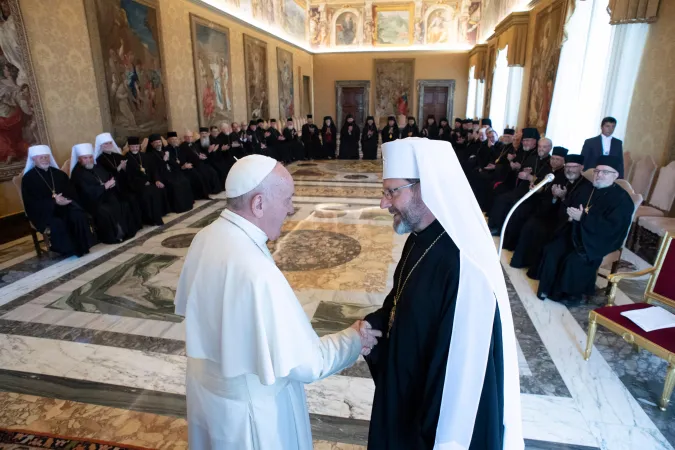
(368, 336)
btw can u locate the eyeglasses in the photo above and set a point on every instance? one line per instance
(604, 172)
(389, 193)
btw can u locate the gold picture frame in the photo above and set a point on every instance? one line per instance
(388, 8)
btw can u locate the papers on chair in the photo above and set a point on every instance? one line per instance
(650, 319)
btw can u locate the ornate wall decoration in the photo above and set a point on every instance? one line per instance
(440, 25)
(394, 24)
(347, 27)
(285, 77)
(548, 35)
(295, 17)
(393, 88)
(257, 91)
(126, 45)
(211, 54)
(22, 121)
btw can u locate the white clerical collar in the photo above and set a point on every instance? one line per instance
(256, 234)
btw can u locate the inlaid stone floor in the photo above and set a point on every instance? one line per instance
(91, 347)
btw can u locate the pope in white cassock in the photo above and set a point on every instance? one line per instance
(250, 346)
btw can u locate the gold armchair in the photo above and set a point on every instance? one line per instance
(660, 291)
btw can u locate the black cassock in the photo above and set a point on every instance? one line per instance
(349, 142)
(253, 142)
(154, 201)
(207, 174)
(70, 233)
(369, 138)
(178, 189)
(503, 204)
(445, 133)
(390, 133)
(200, 189)
(312, 141)
(570, 263)
(545, 221)
(237, 148)
(409, 366)
(272, 142)
(329, 139)
(294, 148)
(410, 131)
(217, 159)
(112, 214)
(430, 131)
(110, 162)
(539, 204)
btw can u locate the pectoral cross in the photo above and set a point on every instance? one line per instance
(588, 208)
(53, 194)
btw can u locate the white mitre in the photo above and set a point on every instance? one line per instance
(448, 195)
(80, 150)
(38, 150)
(247, 173)
(102, 139)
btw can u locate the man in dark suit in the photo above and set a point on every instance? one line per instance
(604, 144)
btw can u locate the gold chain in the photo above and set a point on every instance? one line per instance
(399, 291)
(588, 208)
(53, 187)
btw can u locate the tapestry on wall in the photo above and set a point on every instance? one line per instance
(211, 54)
(255, 64)
(285, 76)
(128, 62)
(548, 34)
(393, 88)
(22, 121)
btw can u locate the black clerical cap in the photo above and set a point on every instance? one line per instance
(411, 118)
(457, 119)
(560, 151)
(171, 134)
(252, 122)
(273, 120)
(327, 117)
(475, 122)
(309, 116)
(133, 140)
(487, 122)
(290, 119)
(154, 137)
(260, 121)
(203, 130)
(509, 131)
(443, 119)
(370, 118)
(575, 159)
(608, 160)
(530, 133)
(391, 118)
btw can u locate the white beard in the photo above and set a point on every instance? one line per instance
(89, 166)
(43, 166)
(205, 141)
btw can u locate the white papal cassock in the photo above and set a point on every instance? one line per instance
(250, 346)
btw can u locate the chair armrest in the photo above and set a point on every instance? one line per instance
(616, 277)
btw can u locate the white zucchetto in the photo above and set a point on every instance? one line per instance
(247, 173)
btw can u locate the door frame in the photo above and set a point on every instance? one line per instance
(338, 98)
(449, 106)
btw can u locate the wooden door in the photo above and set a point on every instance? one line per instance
(353, 99)
(435, 102)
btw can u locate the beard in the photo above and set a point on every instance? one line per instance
(572, 176)
(89, 166)
(602, 184)
(205, 141)
(408, 219)
(44, 166)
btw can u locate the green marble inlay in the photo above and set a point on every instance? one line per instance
(124, 291)
(207, 220)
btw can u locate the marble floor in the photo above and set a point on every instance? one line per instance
(90, 347)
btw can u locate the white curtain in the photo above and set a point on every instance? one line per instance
(500, 87)
(628, 43)
(480, 95)
(513, 95)
(577, 106)
(471, 95)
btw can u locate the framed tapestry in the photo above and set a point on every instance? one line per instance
(394, 24)
(125, 36)
(255, 65)
(285, 76)
(548, 35)
(393, 88)
(22, 121)
(211, 54)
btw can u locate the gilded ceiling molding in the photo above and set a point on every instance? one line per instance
(633, 11)
(477, 57)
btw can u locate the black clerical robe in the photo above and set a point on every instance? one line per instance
(540, 167)
(545, 221)
(329, 140)
(207, 174)
(237, 142)
(410, 131)
(253, 142)
(570, 263)
(349, 141)
(430, 131)
(168, 173)
(369, 139)
(390, 133)
(200, 190)
(69, 230)
(154, 201)
(112, 214)
(218, 156)
(294, 148)
(445, 133)
(111, 162)
(273, 143)
(408, 366)
(312, 141)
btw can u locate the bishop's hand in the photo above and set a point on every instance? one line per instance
(368, 336)
(575, 213)
(61, 200)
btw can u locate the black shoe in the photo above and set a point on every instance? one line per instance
(571, 301)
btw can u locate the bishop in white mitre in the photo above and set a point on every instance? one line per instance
(250, 346)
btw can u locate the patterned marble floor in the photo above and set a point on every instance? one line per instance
(91, 347)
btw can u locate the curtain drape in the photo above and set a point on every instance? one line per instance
(471, 94)
(500, 87)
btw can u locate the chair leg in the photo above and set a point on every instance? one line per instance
(592, 327)
(36, 243)
(668, 388)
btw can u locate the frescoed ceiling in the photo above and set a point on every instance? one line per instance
(322, 26)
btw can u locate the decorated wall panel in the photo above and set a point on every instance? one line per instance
(394, 88)
(257, 91)
(285, 79)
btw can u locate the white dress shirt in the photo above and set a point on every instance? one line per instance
(606, 144)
